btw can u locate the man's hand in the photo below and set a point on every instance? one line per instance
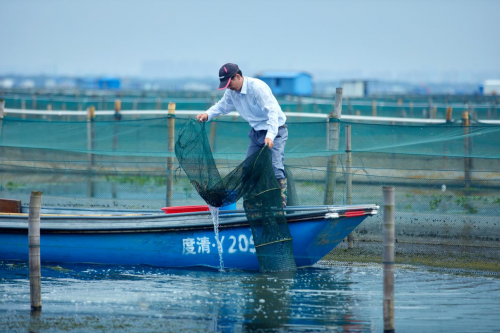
(268, 142)
(202, 117)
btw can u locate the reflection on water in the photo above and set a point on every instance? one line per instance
(148, 299)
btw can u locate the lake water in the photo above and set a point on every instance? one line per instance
(85, 297)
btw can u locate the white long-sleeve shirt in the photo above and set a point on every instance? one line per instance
(255, 103)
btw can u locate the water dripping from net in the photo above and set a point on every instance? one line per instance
(215, 219)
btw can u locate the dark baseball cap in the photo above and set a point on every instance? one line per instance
(226, 72)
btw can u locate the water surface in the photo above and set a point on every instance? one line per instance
(84, 297)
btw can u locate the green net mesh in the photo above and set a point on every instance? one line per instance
(254, 180)
(446, 176)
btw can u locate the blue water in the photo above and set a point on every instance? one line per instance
(96, 298)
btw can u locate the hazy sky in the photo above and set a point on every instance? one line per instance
(455, 40)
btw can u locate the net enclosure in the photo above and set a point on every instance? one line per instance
(446, 177)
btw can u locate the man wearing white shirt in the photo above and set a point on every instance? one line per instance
(256, 103)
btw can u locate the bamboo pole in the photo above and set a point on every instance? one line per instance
(90, 149)
(34, 251)
(465, 124)
(388, 258)
(171, 147)
(348, 181)
(117, 117)
(333, 127)
(430, 109)
(2, 111)
(434, 112)
(374, 107)
(118, 109)
(213, 134)
(449, 113)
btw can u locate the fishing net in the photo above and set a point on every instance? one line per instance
(254, 181)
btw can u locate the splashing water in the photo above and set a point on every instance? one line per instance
(215, 219)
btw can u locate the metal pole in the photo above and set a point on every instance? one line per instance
(348, 178)
(388, 259)
(171, 148)
(333, 133)
(34, 251)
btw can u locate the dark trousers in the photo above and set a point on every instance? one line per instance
(277, 152)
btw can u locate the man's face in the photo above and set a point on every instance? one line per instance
(236, 83)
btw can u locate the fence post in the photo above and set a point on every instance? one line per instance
(449, 112)
(34, 251)
(333, 145)
(171, 147)
(90, 149)
(213, 134)
(430, 109)
(465, 124)
(388, 259)
(2, 110)
(348, 180)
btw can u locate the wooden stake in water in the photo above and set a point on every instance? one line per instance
(215, 219)
(171, 149)
(388, 262)
(34, 250)
(348, 180)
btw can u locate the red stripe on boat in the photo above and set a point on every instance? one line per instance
(185, 209)
(354, 213)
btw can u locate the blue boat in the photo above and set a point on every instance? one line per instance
(132, 237)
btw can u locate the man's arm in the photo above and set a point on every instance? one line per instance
(224, 106)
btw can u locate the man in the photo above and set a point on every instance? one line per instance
(257, 105)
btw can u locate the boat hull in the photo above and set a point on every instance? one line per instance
(176, 247)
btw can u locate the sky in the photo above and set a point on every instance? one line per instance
(410, 40)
